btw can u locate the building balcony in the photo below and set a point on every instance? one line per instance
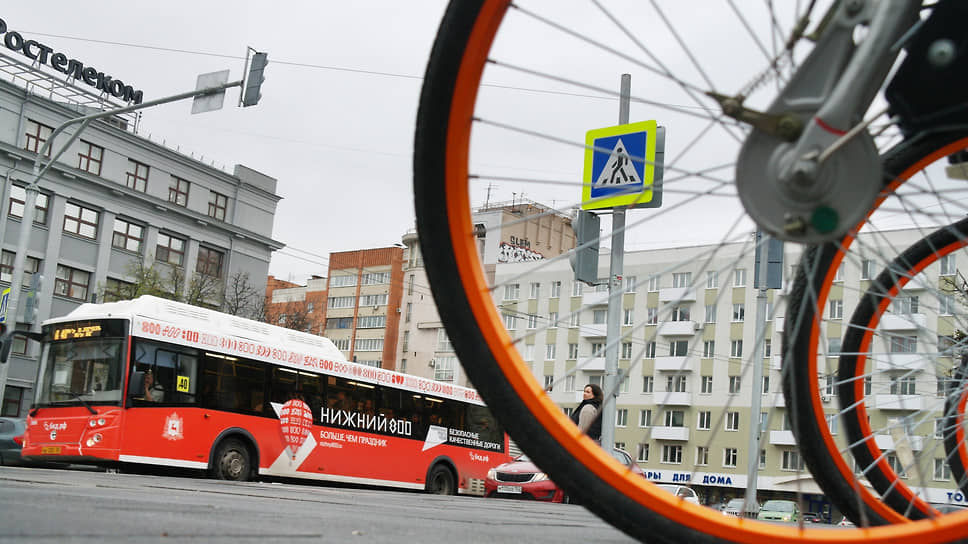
(782, 438)
(670, 433)
(885, 442)
(595, 330)
(675, 364)
(900, 361)
(778, 324)
(902, 322)
(678, 328)
(672, 398)
(592, 364)
(595, 298)
(677, 294)
(899, 402)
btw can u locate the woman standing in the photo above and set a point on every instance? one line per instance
(588, 415)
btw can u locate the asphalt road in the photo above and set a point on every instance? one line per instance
(57, 506)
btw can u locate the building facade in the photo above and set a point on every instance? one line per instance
(113, 205)
(508, 232)
(684, 405)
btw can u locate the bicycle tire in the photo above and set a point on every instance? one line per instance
(857, 341)
(457, 278)
(810, 296)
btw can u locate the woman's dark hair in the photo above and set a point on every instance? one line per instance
(597, 392)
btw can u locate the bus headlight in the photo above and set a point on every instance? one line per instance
(93, 440)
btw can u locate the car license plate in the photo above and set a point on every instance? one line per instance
(508, 489)
(50, 450)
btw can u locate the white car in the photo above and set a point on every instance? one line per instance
(686, 493)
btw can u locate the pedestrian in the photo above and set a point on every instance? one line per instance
(588, 415)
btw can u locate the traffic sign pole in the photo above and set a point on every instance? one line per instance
(615, 289)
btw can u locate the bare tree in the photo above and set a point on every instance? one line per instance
(294, 314)
(242, 298)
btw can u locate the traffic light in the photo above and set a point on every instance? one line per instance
(252, 88)
(584, 261)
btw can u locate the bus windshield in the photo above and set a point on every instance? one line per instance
(81, 367)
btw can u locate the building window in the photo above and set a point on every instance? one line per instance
(572, 351)
(336, 303)
(137, 176)
(170, 250)
(621, 417)
(532, 321)
(127, 236)
(37, 134)
(13, 397)
(217, 203)
(18, 196)
(706, 385)
(552, 320)
(836, 309)
(904, 386)
(712, 279)
(510, 321)
(705, 420)
(555, 289)
(672, 454)
(681, 313)
(339, 323)
(643, 456)
(732, 421)
(711, 313)
(89, 158)
(867, 269)
(645, 417)
(651, 316)
(178, 191)
(31, 265)
(376, 300)
(650, 350)
(736, 348)
(675, 418)
(368, 344)
(946, 305)
(730, 456)
(702, 455)
(71, 282)
(739, 312)
(576, 288)
(676, 384)
(626, 350)
(80, 220)
(443, 341)
(511, 291)
(904, 344)
(574, 320)
(654, 283)
(681, 279)
(409, 314)
(739, 277)
(115, 290)
(791, 460)
(550, 351)
(344, 280)
(342, 344)
(209, 262)
(535, 290)
(629, 284)
(444, 368)
(648, 383)
(599, 317)
(708, 349)
(948, 265)
(735, 383)
(942, 472)
(678, 348)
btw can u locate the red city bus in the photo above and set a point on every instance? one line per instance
(157, 382)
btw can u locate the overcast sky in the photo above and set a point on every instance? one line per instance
(335, 123)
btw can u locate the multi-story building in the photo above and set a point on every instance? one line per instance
(301, 307)
(686, 355)
(113, 204)
(508, 232)
(363, 307)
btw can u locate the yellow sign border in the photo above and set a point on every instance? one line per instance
(632, 199)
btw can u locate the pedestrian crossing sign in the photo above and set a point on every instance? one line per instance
(623, 166)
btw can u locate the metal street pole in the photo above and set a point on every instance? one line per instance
(615, 289)
(30, 200)
(750, 506)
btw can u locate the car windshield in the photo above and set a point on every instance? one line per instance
(779, 506)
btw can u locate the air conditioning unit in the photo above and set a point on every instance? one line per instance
(398, 309)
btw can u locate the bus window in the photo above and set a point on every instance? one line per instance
(284, 382)
(310, 388)
(173, 370)
(233, 384)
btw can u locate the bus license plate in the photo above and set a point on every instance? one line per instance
(508, 489)
(50, 450)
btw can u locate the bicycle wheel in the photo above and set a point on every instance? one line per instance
(899, 453)
(470, 137)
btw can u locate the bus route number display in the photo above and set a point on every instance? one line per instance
(70, 333)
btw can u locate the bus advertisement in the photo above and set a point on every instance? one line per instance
(157, 382)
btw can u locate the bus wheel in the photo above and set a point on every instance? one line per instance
(441, 481)
(231, 461)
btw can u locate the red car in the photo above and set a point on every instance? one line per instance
(521, 479)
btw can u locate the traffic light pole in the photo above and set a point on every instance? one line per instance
(30, 200)
(613, 322)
